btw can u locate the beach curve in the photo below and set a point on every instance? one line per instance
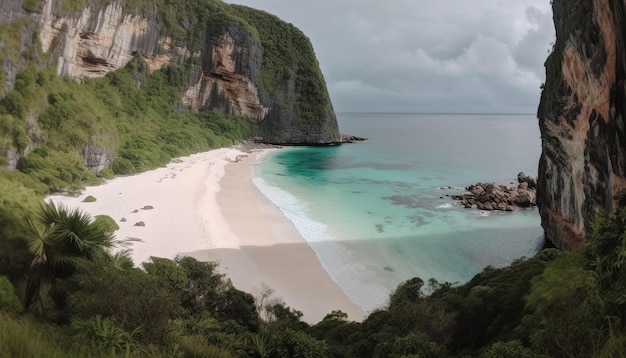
(206, 206)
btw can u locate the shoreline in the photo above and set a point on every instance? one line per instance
(207, 206)
(272, 253)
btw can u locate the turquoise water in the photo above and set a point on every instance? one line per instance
(378, 212)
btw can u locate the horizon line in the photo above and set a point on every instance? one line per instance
(436, 113)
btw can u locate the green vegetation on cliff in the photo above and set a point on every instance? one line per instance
(288, 55)
(63, 133)
(288, 77)
(136, 128)
(292, 79)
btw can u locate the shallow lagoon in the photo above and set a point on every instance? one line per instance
(378, 212)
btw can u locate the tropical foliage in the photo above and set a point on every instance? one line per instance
(58, 240)
(555, 304)
(138, 127)
(64, 293)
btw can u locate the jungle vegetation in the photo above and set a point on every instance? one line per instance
(68, 289)
(65, 293)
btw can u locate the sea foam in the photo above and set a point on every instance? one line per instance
(341, 264)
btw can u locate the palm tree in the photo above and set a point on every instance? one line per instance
(58, 239)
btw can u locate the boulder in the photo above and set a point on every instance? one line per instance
(493, 196)
(485, 206)
(525, 199)
(530, 181)
(476, 189)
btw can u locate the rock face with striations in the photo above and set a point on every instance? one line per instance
(582, 118)
(99, 39)
(232, 59)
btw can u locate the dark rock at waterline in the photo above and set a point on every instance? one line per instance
(343, 139)
(492, 196)
(347, 138)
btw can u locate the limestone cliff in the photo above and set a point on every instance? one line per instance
(229, 77)
(582, 118)
(99, 39)
(231, 64)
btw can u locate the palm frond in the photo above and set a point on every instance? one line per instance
(59, 239)
(64, 260)
(122, 260)
(37, 239)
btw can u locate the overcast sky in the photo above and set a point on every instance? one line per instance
(426, 56)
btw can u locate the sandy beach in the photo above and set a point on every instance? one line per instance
(207, 206)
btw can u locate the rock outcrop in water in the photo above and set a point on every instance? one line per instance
(492, 196)
(239, 60)
(582, 118)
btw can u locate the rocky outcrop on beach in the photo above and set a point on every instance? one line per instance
(582, 117)
(492, 196)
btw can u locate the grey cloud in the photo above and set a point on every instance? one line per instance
(426, 55)
(530, 53)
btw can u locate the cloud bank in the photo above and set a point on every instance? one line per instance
(426, 56)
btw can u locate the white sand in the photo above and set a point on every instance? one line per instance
(182, 196)
(205, 207)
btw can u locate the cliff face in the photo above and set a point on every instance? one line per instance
(99, 40)
(228, 62)
(229, 77)
(582, 118)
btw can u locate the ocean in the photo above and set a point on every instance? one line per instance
(379, 212)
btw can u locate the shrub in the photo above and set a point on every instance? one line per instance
(197, 346)
(16, 201)
(510, 349)
(103, 335)
(8, 300)
(89, 199)
(123, 166)
(107, 223)
(106, 174)
(57, 170)
(129, 296)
